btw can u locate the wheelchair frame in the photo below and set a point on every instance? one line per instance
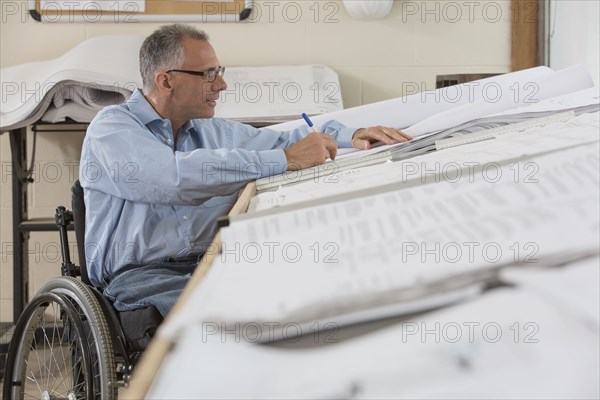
(69, 343)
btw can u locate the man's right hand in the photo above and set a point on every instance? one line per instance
(313, 150)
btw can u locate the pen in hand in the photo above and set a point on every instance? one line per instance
(309, 122)
(324, 142)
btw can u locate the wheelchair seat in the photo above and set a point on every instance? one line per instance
(70, 342)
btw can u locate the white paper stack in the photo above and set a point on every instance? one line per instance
(98, 72)
(104, 70)
(274, 94)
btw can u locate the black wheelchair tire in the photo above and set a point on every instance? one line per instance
(97, 331)
(99, 334)
(49, 355)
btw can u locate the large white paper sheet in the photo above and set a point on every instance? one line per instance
(325, 262)
(510, 343)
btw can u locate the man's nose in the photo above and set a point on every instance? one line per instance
(219, 84)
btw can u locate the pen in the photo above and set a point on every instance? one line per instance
(309, 122)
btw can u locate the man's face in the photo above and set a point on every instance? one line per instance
(195, 96)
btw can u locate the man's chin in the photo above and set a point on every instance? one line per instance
(206, 114)
(208, 110)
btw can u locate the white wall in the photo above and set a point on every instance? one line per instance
(574, 35)
(415, 42)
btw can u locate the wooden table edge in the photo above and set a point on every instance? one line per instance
(159, 347)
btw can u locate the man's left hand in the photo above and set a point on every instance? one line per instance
(364, 137)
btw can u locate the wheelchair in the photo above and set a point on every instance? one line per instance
(69, 342)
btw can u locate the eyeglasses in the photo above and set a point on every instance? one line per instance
(210, 75)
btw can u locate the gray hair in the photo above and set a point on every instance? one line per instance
(163, 50)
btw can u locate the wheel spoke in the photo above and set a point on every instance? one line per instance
(52, 379)
(64, 349)
(34, 348)
(32, 378)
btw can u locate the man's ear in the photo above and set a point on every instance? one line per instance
(162, 82)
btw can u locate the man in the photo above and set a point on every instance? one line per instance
(158, 170)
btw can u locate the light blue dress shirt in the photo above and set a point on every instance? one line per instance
(148, 198)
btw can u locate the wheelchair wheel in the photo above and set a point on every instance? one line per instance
(95, 337)
(49, 357)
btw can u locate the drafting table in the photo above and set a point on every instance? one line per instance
(159, 348)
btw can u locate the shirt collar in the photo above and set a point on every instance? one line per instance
(188, 126)
(139, 106)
